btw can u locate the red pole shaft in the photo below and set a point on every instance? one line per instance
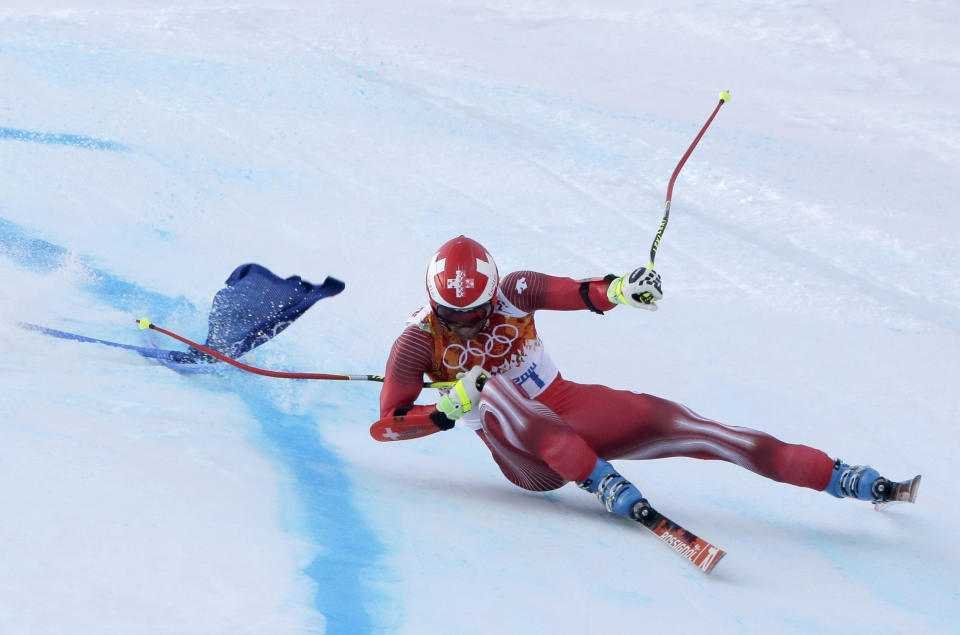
(724, 97)
(247, 367)
(689, 151)
(276, 373)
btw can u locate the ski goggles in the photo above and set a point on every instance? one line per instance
(452, 317)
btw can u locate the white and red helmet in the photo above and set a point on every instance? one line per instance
(462, 276)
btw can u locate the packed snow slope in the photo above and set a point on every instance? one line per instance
(811, 290)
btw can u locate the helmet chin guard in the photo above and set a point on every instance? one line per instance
(462, 275)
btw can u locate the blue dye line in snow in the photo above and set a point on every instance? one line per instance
(61, 139)
(45, 257)
(349, 548)
(158, 353)
(164, 356)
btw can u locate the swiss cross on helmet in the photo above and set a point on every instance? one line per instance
(462, 275)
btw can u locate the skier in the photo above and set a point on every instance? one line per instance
(544, 430)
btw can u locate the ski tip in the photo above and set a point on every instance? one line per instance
(713, 563)
(906, 493)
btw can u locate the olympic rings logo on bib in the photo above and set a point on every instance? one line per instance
(496, 344)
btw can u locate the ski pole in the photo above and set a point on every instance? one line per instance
(146, 324)
(724, 98)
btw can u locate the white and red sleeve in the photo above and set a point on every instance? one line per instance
(410, 359)
(530, 291)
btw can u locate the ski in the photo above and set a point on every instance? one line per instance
(903, 492)
(689, 546)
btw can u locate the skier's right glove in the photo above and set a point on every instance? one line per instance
(640, 288)
(464, 395)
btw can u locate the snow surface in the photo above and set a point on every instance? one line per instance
(810, 271)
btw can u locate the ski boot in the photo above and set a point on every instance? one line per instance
(617, 494)
(865, 483)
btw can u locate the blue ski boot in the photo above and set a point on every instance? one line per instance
(865, 483)
(852, 481)
(616, 493)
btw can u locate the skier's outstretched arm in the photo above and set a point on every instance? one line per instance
(530, 291)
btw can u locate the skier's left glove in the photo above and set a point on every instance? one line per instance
(464, 395)
(640, 288)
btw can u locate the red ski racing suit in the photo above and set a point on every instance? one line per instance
(544, 430)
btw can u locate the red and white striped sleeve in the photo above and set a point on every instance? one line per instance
(530, 291)
(410, 359)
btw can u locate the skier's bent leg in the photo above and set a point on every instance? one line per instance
(512, 420)
(518, 429)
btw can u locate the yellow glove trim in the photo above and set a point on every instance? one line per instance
(454, 411)
(464, 398)
(615, 291)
